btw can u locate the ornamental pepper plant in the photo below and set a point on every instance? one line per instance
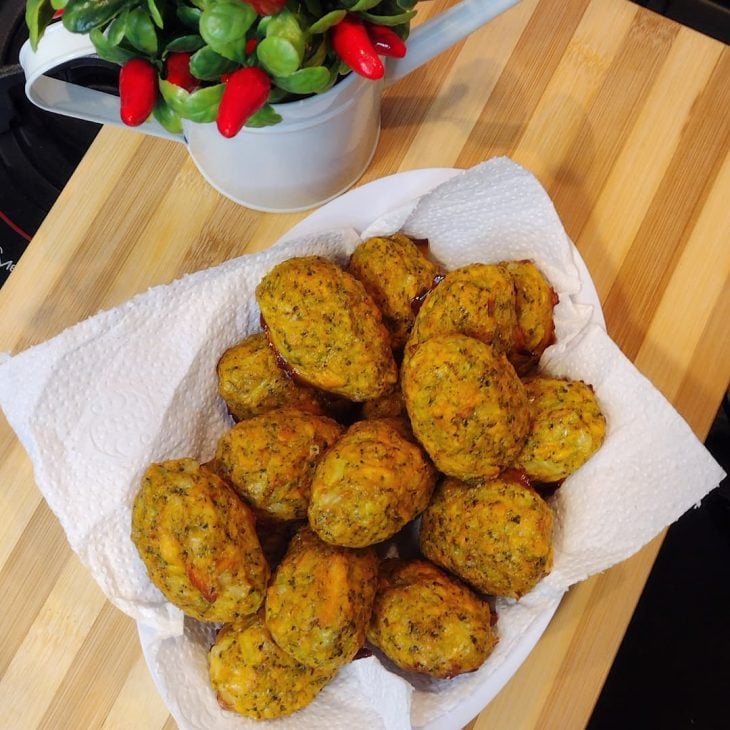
(228, 61)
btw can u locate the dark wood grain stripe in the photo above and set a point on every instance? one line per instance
(664, 231)
(626, 84)
(696, 398)
(516, 94)
(108, 241)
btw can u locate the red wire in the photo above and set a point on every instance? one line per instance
(14, 226)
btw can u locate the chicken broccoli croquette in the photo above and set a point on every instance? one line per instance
(395, 273)
(534, 303)
(251, 382)
(326, 327)
(252, 676)
(270, 459)
(476, 300)
(198, 542)
(369, 485)
(319, 601)
(426, 621)
(496, 535)
(568, 427)
(467, 406)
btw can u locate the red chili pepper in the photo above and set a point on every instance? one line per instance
(137, 91)
(251, 44)
(246, 92)
(386, 41)
(177, 66)
(353, 45)
(267, 7)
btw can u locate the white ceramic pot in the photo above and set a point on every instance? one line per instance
(319, 150)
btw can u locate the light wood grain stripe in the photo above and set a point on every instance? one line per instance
(36, 560)
(630, 186)
(663, 233)
(85, 696)
(48, 650)
(602, 133)
(524, 79)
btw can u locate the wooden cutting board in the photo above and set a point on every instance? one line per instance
(621, 114)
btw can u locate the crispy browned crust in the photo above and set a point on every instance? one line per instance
(426, 621)
(270, 459)
(326, 327)
(495, 535)
(198, 542)
(320, 599)
(251, 675)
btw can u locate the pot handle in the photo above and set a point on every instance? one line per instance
(60, 46)
(442, 32)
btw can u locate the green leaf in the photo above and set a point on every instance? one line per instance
(407, 4)
(207, 65)
(305, 81)
(224, 25)
(155, 12)
(189, 16)
(327, 21)
(59, 4)
(80, 16)
(117, 29)
(167, 117)
(109, 51)
(286, 25)
(141, 31)
(198, 106)
(264, 117)
(389, 19)
(38, 14)
(360, 5)
(185, 43)
(278, 56)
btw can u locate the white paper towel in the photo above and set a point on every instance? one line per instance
(95, 405)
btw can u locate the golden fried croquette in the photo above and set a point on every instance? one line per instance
(495, 535)
(251, 675)
(426, 621)
(320, 599)
(369, 485)
(270, 459)
(534, 302)
(390, 405)
(568, 428)
(251, 382)
(467, 406)
(198, 542)
(476, 300)
(326, 327)
(395, 273)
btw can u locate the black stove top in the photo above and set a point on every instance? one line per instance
(38, 150)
